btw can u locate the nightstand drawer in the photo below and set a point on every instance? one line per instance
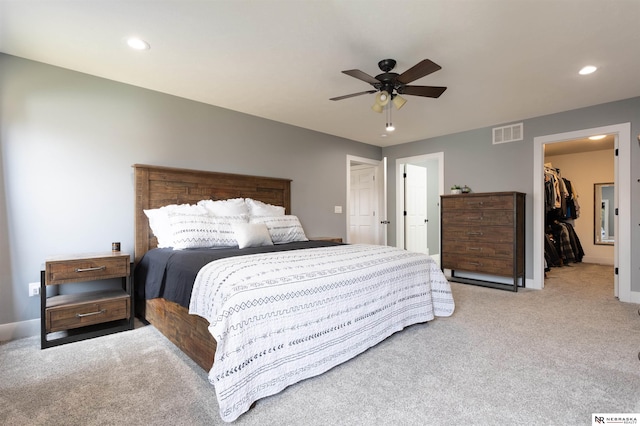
(89, 269)
(82, 312)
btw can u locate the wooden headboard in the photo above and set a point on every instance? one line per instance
(157, 186)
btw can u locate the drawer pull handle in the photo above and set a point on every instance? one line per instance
(101, 311)
(475, 218)
(475, 233)
(97, 268)
(474, 248)
(476, 203)
(475, 263)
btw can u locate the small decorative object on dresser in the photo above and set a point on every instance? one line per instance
(77, 316)
(483, 238)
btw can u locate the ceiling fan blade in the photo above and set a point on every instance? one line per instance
(426, 91)
(352, 95)
(360, 75)
(419, 70)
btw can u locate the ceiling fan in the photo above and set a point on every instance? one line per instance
(390, 85)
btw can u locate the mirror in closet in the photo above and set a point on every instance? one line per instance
(603, 206)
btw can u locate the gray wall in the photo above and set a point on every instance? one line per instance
(68, 142)
(471, 159)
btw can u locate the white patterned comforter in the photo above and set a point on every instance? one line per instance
(279, 318)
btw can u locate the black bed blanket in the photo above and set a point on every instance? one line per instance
(170, 274)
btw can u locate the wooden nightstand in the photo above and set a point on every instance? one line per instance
(332, 239)
(79, 316)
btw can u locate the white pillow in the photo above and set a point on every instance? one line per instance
(283, 229)
(203, 230)
(258, 208)
(159, 221)
(252, 234)
(230, 207)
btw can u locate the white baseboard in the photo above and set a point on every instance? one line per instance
(529, 284)
(18, 330)
(598, 260)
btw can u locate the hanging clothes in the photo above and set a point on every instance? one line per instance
(562, 245)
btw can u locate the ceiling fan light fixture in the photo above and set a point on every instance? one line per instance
(382, 98)
(399, 101)
(389, 85)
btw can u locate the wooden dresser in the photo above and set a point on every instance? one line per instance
(483, 238)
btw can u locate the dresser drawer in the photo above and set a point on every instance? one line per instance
(484, 202)
(67, 313)
(89, 269)
(488, 249)
(478, 217)
(488, 234)
(486, 265)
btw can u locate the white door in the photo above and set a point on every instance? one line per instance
(367, 200)
(416, 208)
(362, 214)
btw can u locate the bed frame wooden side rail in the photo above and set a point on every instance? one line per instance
(157, 186)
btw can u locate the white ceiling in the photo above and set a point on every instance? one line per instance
(502, 60)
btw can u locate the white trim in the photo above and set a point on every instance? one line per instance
(623, 179)
(400, 188)
(18, 330)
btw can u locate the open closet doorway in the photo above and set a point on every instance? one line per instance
(419, 184)
(366, 201)
(621, 176)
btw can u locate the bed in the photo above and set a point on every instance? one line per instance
(278, 316)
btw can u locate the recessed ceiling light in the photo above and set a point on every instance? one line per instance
(589, 69)
(597, 137)
(138, 43)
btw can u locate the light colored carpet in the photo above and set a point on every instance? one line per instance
(484, 365)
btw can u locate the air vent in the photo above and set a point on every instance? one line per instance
(506, 134)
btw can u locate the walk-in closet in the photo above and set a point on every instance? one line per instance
(579, 205)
